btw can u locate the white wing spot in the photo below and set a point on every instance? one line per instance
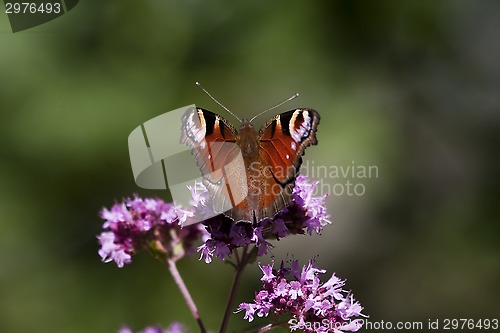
(287, 156)
(303, 130)
(197, 129)
(294, 145)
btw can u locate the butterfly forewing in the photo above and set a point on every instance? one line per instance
(283, 141)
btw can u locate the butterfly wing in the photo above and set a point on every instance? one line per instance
(212, 140)
(283, 141)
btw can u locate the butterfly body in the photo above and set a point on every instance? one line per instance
(260, 183)
(248, 140)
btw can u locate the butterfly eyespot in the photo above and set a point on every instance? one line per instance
(300, 125)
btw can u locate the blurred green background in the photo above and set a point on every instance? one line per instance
(412, 87)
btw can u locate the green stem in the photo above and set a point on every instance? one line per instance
(185, 293)
(239, 270)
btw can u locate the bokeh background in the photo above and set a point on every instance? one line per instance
(412, 87)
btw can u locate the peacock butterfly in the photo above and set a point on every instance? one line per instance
(261, 183)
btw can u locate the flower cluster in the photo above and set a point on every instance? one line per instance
(136, 224)
(314, 306)
(175, 327)
(306, 213)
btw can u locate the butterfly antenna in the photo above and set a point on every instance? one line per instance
(216, 101)
(277, 105)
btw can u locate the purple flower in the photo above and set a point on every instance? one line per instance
(306, 299)
(125, 329)
(305, 214)
(268, 272)
(136, 224)
(206, 252)
(317, 217)
(199, 194)
(221, 250)
(295, 290)
(175, 327)
(153, 329)
(249, 310)
(279, 228)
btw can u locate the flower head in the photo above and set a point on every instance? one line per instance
(306, 213)
(306, 299)
(136, 224)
